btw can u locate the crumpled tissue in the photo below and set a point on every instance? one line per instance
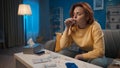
(30, 42)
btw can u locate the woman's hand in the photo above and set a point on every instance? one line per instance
(79, 57)
(69, 22)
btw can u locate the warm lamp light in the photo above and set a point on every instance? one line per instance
(24, 9)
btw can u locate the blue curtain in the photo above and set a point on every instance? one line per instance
(31, 26)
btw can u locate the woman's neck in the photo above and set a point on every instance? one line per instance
(82, 26)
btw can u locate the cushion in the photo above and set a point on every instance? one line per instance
(50, 45)
(57, 47)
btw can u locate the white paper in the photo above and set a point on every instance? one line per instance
(30, 42)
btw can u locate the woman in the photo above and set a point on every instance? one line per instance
(82, 29)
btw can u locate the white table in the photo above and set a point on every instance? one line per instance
(27, 60)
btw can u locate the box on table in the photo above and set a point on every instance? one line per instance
(32, 49)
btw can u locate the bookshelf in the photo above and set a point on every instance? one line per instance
(56, 21)
(113, 17)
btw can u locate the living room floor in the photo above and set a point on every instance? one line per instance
(7, 56)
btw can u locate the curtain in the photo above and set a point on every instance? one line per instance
(13, 24)
(32, 21)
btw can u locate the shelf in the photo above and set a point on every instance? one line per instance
(113, 17)
(56, 20)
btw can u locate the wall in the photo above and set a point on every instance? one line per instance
(47, 5)
(100, 15)
(44, 20)
(113, 2)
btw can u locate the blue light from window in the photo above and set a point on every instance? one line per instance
(32, 22)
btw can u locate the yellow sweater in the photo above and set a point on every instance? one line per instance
(90, 39)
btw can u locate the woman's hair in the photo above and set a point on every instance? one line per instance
(87, 9)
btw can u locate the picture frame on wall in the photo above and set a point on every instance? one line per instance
(98, 4)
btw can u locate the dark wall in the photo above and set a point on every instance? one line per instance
(44, 19)
(100, 15)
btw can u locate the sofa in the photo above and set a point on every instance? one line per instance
(112, 45)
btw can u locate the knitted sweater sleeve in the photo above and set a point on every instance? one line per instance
(65, 40)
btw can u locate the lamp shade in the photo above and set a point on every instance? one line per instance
(24, 9)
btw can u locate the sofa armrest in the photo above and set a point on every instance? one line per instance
(50, 45)
(112, 44)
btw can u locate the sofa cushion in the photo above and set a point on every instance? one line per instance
(50, 45)
(57, 42)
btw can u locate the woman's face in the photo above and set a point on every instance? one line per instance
(79, 16)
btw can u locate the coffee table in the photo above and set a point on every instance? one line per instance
(48, 60)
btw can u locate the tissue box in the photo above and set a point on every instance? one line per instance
(32, 50)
